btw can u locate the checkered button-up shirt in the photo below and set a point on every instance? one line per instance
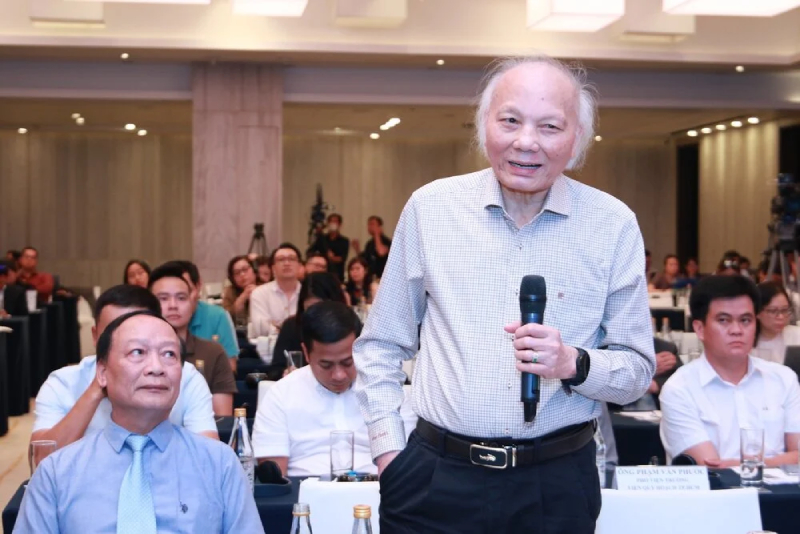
(455, 267)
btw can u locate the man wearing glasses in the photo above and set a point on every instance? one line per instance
(274, 302)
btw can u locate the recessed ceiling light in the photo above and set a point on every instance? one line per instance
(76, 116)
(598, 137)
(706, 130)
(394, 121)
(79, 121)
(337, 129)
(141, 132)
(385, 127)
(721, 127)
(440, 62)
(736, 124)
(130, 126)
(124, 56)
(374, 136)
(753, 120)
(22, 130)
(692, 133)
(739, 68)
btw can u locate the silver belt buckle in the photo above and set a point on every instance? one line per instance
(493, 457)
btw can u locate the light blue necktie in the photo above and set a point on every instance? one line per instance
(135, 511)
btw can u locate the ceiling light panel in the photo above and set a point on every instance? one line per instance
(733, 8)
(573, 15)
(270, 8)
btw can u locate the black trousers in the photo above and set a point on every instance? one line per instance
(426, 492)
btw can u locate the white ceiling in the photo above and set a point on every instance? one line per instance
(467, 33)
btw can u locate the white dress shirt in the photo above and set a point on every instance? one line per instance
(774, 350)
(297, 416)
(270, 305)
(697, 406)
(455, 267)
(63, 388)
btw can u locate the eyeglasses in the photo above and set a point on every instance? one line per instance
(243, 270)
(777, 312)
(285, 259)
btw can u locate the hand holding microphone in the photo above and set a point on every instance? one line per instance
(554, 359)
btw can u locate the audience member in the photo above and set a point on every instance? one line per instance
(43, 283)
(707, 401)
(72, 402)
(360, 286)
(159, 467)
(173, 292)
(691, 272)
(236, 297)
(263, 269)
(744, 267)
(13, 276)
(273, 303)
(317, 287)
(775, 332)
(648, 263)
(301, 271)
(669, 276)
(764, 274)
(137, 273)
(667, 362)
(294, 422)
(376, 252)
(316, 262)
(209, 320)
(13, 255)
(333, 245)
(12, 296)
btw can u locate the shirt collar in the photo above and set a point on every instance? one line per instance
(707, 374)
(558, 200)
(160, 435)
(277, 289)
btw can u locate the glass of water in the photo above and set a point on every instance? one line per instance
(752, 443)
(342, 452)
(38, 450)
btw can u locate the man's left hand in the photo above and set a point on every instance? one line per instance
(542, 344)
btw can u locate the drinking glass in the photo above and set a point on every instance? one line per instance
(38, 450)
(342, 450)
(752, 444)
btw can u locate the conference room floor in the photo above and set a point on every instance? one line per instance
(14, 456)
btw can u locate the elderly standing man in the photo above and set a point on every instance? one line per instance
(473, 465)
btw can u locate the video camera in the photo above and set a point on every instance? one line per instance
(316, 225)
(785, 208)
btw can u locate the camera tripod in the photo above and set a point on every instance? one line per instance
(258, 243)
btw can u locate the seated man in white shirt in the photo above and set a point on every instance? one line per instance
(272, 303)
(71, 403)
(294, 422)
(707, 402)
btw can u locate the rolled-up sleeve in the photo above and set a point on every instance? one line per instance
(622, 368)
(391, 335)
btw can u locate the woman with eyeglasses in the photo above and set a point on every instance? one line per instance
(775, 333)
(236, 297)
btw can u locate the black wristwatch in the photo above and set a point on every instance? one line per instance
(581, 369)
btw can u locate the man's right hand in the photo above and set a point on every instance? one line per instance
(384, 460)
(665, 361)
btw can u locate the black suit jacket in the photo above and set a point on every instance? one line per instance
(14, 301)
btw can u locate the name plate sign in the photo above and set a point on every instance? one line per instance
(660, 478)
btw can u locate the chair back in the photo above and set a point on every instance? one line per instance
(733, 511)
(792, 359)
(331, 504)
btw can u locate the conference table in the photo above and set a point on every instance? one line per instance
(638, 442)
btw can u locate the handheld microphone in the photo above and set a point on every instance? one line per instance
(532, 300)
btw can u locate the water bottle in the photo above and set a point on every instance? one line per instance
(600, 456)
(241, 445)
(361, 522)
(301, 519)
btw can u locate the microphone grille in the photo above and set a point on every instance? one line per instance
(532, 284)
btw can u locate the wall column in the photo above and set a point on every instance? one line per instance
(237, 160)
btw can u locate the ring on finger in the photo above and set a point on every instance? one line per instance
(535, 357)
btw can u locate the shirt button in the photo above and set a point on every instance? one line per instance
(509, 385)
(519, 247)
(508, 432)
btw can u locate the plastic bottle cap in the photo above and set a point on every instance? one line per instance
(240, 412)
(301, 508)
(362, 511)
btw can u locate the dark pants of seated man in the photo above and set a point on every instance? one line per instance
(425, 492)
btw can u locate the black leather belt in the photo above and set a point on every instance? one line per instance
(502, 454)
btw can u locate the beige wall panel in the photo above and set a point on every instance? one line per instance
(97, 200)
(738, 170)
(14, 190)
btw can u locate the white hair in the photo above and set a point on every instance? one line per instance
(585, 94)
